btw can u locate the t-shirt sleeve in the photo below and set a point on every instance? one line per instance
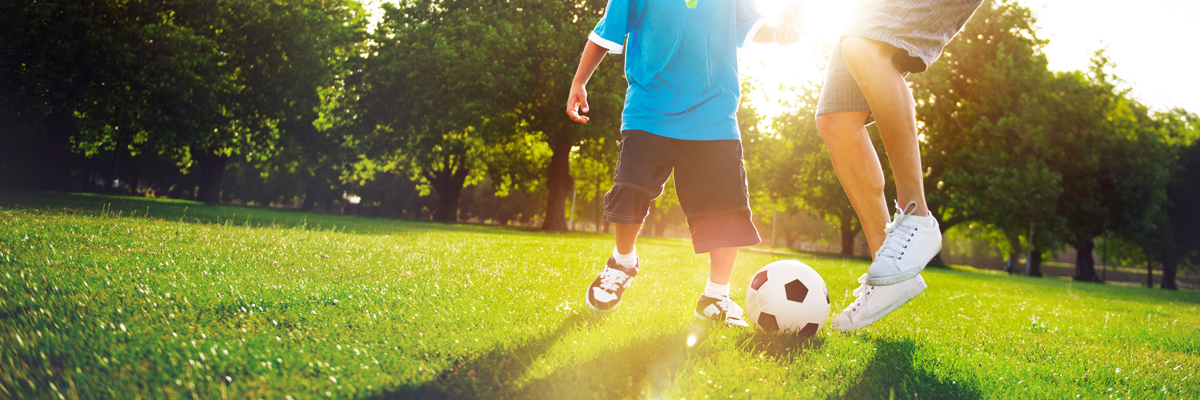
(749, 20)
(620, 18)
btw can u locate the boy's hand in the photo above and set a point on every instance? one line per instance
(577, 99)
(791, 19)
(786, 34)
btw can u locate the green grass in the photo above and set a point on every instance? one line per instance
(100, 300)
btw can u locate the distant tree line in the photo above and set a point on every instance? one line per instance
(452, 109)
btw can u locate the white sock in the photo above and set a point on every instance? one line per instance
(716, 290)
(626, 260)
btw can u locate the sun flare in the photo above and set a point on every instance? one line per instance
(769, 65)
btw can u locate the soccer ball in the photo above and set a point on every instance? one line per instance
(788, 297)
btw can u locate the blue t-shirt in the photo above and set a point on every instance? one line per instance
(681, 63)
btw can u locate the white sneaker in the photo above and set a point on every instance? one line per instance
(874, 302)
(719, 310)
(604, 294)
(911, 242)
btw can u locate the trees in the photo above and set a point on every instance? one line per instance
(984, 125)
(195, 81)
(1112, 163)
(438, 115)
(1177, 237)
(557, 32)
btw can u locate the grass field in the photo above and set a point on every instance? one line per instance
(126, 298)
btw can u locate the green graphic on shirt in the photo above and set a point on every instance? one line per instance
(691, 3)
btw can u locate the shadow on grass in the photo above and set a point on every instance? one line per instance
(891, 374)
(780, 347)
(645, 367)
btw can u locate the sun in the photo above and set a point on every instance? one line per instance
(770, 65)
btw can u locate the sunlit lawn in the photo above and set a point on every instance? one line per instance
(100, 301)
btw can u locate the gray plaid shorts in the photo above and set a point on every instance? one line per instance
(920, 28)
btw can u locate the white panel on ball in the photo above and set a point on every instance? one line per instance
(788, 297)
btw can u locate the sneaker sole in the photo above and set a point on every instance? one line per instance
(912, 293)
(594, 309)
(894, 279)
(701, 318)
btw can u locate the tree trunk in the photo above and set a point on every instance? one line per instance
(448, 184)
(112, 172)
(1149, 272)
(1015, 242)
(558, 183)
(1169, 263)
(1085, 265)
(212, 169)
(313, 189)
(847, 236)
(1035, 263)
(60, 127)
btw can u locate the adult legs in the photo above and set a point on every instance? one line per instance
(858, 169)
(891, 100)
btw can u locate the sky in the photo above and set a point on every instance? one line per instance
(1152, 43)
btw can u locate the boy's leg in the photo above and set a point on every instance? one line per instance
(626, 237)
(721, 264)
(710, 179)
(643, 166)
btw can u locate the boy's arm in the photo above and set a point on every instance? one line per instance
(785, 34)
(592, 55)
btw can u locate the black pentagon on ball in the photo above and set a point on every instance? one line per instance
(809, 330)
(767, 322)
(796, 291)
(758, 280)
(827, 296)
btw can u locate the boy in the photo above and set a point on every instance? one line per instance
(884, 41)
(680, 114)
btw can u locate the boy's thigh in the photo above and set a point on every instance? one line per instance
(710, 179)
(643, 166)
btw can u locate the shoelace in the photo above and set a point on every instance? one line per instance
(898, 234)
(728, 308)
(863, 288)
(611, 279)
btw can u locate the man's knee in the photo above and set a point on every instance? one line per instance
(838, 126)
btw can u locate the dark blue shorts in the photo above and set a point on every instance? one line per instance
(710, 181)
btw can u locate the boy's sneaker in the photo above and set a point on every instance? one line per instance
(911, 242)
(719, 310)
(874, 302)
(604, 293)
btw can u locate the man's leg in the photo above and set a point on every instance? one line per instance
(858, 170)
(891, 100)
